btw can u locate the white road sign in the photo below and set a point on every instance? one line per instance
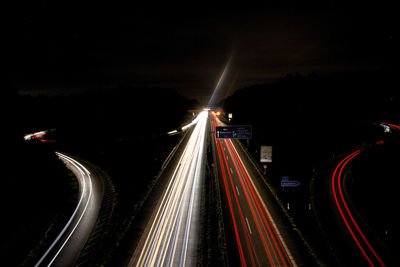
(266, 154)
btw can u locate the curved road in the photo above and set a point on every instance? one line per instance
(336, 186)
(65, 249)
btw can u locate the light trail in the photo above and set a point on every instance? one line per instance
(390, 125)
(258, 238)
(185, 127)
(64, 236)
(36, 135)
(170, 239)
(354, 230)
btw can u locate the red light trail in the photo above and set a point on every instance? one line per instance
(258, 240)
(358, 236)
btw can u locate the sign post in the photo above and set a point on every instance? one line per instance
(265, 166)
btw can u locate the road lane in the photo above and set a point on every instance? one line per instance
(343, 211)
(258, 238)
(65, 249)
(171, 236)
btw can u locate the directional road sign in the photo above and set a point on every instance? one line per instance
(236, 132)
(286, 183)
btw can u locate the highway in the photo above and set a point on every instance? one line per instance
(258, 236)
(171, 235)
(65, 249)
(355, 233)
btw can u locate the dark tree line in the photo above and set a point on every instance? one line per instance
(308, 118)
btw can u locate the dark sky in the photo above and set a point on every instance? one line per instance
(73, 45)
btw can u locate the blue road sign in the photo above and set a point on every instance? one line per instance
(237, 132)
(286, 183)
(290, 184)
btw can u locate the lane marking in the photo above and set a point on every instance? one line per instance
(242, 260)
(164, 245)
(291, 258)
(168, 201)
(237, 190)
(248, 225)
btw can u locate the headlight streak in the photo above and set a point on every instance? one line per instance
(168, 240)
(390, 125)
(276, 251)
(187, 126)
(83, 171)
(34, 135)
(358, 236)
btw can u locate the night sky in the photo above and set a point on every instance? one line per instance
(70, 46)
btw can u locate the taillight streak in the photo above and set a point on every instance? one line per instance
(241, 254)
(269, 237)
(250, 199)
(261, 212)
(222, 160)
(340, 167)
(242, 260)
(246, 230)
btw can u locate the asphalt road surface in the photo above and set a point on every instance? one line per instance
(171, 236)
(257, 234)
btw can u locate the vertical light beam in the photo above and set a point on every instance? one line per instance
(220, 81)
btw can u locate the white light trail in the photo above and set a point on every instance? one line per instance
(169, 239)
(187, 126)
(83, 171)
(34, 135)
